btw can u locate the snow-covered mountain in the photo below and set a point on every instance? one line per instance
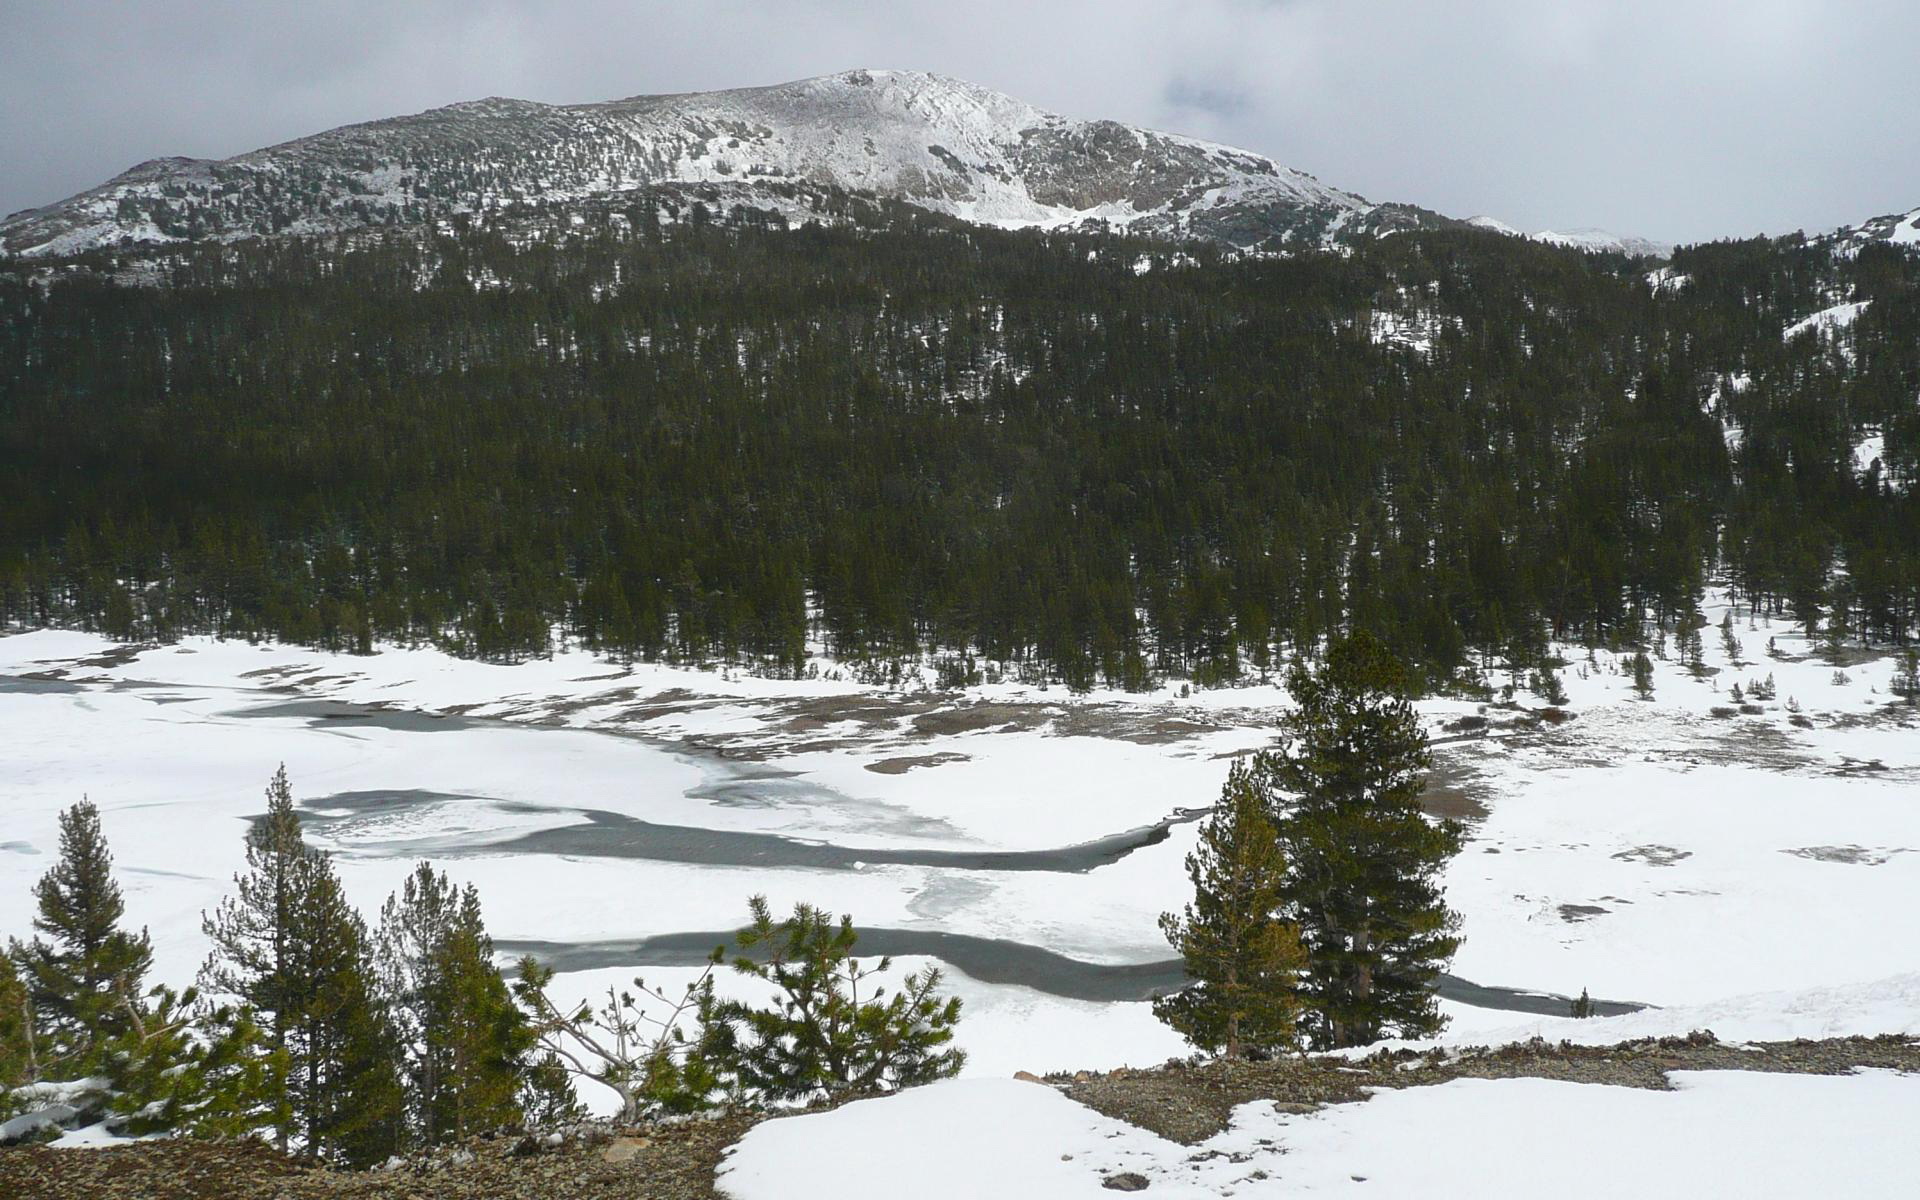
(1602, 241)
(1900, 229)
(1593, 240)
(931, 141)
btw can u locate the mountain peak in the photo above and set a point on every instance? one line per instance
(929, 140)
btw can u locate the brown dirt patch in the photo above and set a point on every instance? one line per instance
(668, 1162)
(908, 762)
(1189, 1102)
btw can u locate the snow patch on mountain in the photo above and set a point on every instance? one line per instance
(1593, 241)
(1599, 241)
(1827, 321)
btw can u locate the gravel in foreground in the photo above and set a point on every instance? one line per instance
(669, 1162)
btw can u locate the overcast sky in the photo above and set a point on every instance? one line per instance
(1676, 119)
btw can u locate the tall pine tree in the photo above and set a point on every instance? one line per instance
(344, 1081)
(465, 1040)
(1363, 860)
(1244, 961)
(253, 931)
(292, 950)
(18, 1057)
(85, 965)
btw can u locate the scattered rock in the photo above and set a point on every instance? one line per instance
(1125, 1181)
(1654, 855)
(622, 1149)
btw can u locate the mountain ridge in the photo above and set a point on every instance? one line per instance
(938, 143)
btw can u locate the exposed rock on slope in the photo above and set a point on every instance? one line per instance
(934, 142)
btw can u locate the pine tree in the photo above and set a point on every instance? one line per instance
(831, 1031)
(1363, 861)
(465, 1040)
(344, 1083)
(254, 931)
(1729, 640)
(18, 1055)
(414, 923)
(292, 950)
(1906, 676)
(481, 1033)
(1245, 963)
(78, 975)
(199, 1073)
(1643, 674)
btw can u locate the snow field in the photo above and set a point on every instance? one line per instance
(1721, 1133)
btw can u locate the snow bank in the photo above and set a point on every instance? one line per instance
(1717, 1134)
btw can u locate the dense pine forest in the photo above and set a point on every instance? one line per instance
(1101, 460)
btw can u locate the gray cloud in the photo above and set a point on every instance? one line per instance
(1680, 119)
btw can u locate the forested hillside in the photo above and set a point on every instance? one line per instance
(1102, 459)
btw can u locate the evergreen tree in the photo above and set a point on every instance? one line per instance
(546, 1090)
(466, 1042)
(831, 1030)
(1729, 640)
(482, 1035)
(1906, 676)
(78, 975)
(1642, 674)
(255, 931)
(291, 948)
(203, 1075)
(18, 1055)
(344, 1076)
(1362, 860)
(1245, 963)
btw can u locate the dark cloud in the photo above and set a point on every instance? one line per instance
(1680, 120)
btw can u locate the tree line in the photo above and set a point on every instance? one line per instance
(1094, 458)
(351, 1044)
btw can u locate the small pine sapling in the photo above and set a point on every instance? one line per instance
(831, 1031)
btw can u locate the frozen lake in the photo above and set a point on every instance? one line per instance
(615, 818)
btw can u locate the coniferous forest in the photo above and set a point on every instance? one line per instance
(1102, 460)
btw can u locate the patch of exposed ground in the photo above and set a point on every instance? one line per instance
(1455, 791)
(908, 762)
(1859, 856)
(1189, 1102)
(665, 1162)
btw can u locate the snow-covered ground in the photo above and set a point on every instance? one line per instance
(1718, 1133)
(1827, 320)
(1672, 850)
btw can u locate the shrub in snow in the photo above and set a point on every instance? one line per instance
(831, 1030)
